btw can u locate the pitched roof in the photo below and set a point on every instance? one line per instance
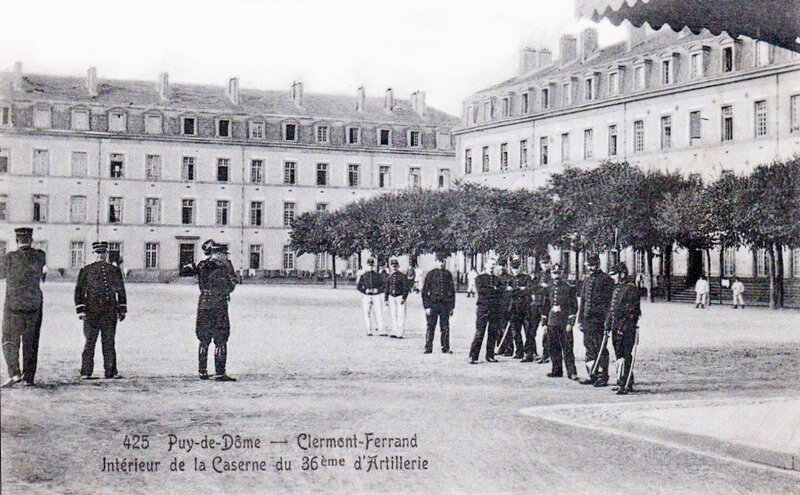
(209, 98)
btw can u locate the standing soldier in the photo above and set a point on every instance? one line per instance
(541, 289)
(213, 323)
(519, 288)
(595, 298)
(561, 307)
(100, 302)
(471, 276)
(395, 295)
(504, 346)
(439, 300)
(22, 313)
(370, 285)
(621, 323)
(488, 311)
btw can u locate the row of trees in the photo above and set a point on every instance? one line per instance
(610, 207)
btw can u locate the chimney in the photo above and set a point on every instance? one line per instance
(568, 49)
(163, 86)
(388, 100)
(588, 42)
(360, 99)
(636, 35)
(528, 60)
(233, 90)
(418, 102)
(17, 76)
(297, 92)
(545, 57)
(91, 82)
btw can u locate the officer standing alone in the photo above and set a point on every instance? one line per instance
(100, 302)
(595, 298)
(22, 313)
(439, 301)
(213, 323)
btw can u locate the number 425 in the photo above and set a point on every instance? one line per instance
(136, 442)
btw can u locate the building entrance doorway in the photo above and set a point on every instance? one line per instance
(694, 266)
(186, 256)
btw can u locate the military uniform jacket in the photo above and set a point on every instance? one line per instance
(23, 270)
(396, 285)
(490, 291)
(561, 304)
(215, 283)
(596, 296)
(540, 292)
(625, 308)
(505, 297)
(439, 288)
(521, 288)
(100, 289)
(370, 283)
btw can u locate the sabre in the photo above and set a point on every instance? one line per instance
(603, 344)
(633, 361)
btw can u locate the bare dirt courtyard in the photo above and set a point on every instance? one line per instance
(355, 414)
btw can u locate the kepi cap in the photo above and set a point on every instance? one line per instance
(100, 247)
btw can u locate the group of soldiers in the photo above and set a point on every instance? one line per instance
(101, 302)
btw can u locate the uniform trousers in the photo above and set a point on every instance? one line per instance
(593, 340)
(213, 324)
(530, 336)
(487, 321)
(103, 324)
(397, 315)
(441, 313)
(624, 340)
(561, 343)
(22, 327)
(372, 303)
(738, 299)
(512, 342)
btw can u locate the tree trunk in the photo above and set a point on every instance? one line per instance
(779, 275)
(333, 264)
(721, 269)
(771, 270)
(650, 274)
(708, 274)
(668, 272)
(359, 260)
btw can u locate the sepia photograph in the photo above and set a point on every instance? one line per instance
(361, 247)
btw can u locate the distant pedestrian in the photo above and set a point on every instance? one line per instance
(439, 301)
(488, 314)
(22, 312)
(471, 276)
(370, 284)
(395, 295)
(738, 293)
(701, 289)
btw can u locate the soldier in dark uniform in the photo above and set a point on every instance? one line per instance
(519, 288)
(439, 301)
(595, 298)
(22, 313)
(100, 302)
(505, 346)
(621, 322)
(488, 311)
(216, 284)
(540, 292)
(561, 307)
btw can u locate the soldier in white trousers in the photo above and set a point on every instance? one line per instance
(395, 295)
(371, 286)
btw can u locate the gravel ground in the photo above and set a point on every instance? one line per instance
(305, 366)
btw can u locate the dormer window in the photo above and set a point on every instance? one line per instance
(507, 106)
(224, 128)
(41, 117)
(763, 53)
(613, 83)
(443, 140)
(153, 123)
(189, 126)
(323, 134)
(257, 129)
(116, 121)
(727, 59)
(384, 137)
(545, 98)
(524, 103)
(698, 61)
(353, 135)
(487, 111)
(5, 116)
(290, 132)
(414, 139)
(589, 89)
(641, 75)
(79, 119)
(566, 94)
(666, 72)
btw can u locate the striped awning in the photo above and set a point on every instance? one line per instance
(773, 21)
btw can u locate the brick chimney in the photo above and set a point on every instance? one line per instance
(568, 49)
(163, 86)
(545, 57)
(297, 92)
(388, 99)
(91, 82)
(528, 60)
(17, 76)
(361, 98)
(418, 102)
(233, 90)
(588, 42)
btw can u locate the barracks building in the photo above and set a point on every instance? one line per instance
(156, 168)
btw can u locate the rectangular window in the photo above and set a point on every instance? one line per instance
(77, 254)
(504, 156)
(288, 258)
(565, 151)
(3, 209)
(612, 140)
(588, 89)
(638, 136)
(352, 175)
(353, 135)
(545, 97)
(729, 262)
(152, 167)
(322, 174)
(116, 122)
(4, 154)
(414, 177)
(152, 211)
(289, 172)
(5, 116)
(189, 126)
(487, 111)
(695, 126)
(255, 256)
(78, 160)
(288, 214)
(666, 72)
(695, 66)
(114, 252)
(256, 130)
(322, 134)
(117, 166)
(666, 132)
(223, 212)
(506, 107)
(223, 169)
(524, 103)
(40, 204)
(115, 210)
(322, 206)
(384, 177)
(523, 153)
(613, 83)
(467, 162)
(152, 124)
(151, 255)
(187, 212)
(290, 132)
(256, 213)
(588, 144)
(543, 151)
(727, 59)
(763, 53)
(77, 209)
(41, 162)
(794, 113)
(566, 94)
(414, 139)
(444, 178)
(761, 118)
(187, 168)
(79, 120)
(639, 77)
(256, 171)
(385, 137)
(41, 118)
(485, 166)
(727, 123)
